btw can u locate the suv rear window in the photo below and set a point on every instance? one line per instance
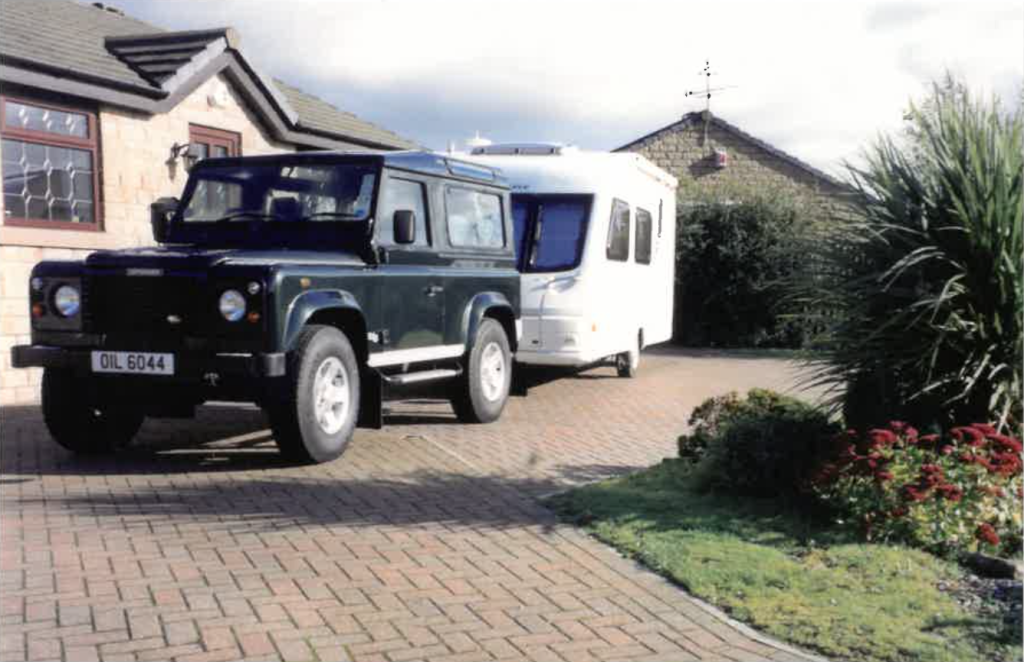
(474, 218)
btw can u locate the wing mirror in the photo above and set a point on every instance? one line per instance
(404, 222)
(160, 213)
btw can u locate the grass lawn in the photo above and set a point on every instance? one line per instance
(786, 575)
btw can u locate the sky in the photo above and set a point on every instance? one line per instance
(818, 80)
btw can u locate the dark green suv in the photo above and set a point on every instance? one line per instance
(306, 283)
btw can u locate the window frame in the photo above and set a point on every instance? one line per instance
(650, 237)
(208, 135)
(611, 227)
(390, 245)
(91, 144)
(476, 247)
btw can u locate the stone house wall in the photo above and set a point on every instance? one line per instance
(682, 151)
(134, 149)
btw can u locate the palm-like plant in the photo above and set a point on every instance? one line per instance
(923, 283)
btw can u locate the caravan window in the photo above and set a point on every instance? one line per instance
(474, 218)
(643, 236)
(618, 232)
(550, 231)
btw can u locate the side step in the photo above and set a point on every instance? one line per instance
(424, 376)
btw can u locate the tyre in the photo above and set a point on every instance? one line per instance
(481, 394)
(627, 364)
(313, 413)
(85, 419)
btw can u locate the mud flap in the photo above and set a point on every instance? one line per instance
(371, 401)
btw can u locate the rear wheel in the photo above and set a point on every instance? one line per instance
(627, 364)
(314, 413)
(481, 394)
(85, 419)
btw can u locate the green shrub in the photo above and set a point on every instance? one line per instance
(958, 492)
(764, 445)
(924, 286)
(732, 258)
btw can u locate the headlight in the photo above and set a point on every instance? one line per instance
(67, 300)
(232, 305)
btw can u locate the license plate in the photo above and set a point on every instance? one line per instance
(133, 363)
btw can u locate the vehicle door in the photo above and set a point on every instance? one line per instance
(412, 283)
(477, 247)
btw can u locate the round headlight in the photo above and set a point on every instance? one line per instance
(232, 305)
(67, 300)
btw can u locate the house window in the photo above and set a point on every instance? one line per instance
(209, 197)
(50, 165)
(214, 142)
(617, 247)
(643, 236)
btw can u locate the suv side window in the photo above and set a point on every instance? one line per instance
(617, 247)
(474, 218)
(403, 194)
(644, 226)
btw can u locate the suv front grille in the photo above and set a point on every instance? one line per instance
(139, 306)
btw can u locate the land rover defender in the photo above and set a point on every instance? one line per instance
(306, 283)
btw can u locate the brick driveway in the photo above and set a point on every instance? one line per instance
(425, 541)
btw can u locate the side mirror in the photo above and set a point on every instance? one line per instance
(160, 213)
(404, 222)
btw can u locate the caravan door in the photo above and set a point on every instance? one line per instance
(551, 232)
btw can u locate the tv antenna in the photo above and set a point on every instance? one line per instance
(707, 93)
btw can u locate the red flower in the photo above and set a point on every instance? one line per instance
(975, 437)
(882, 438)
(984, 428)
(986, 533)
(1008, 444)
(898, 511)
(883, 476)
(950, 492)
(928, 439)
(914, 493)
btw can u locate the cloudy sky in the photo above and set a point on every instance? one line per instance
(818, 80)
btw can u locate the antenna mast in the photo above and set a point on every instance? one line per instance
(707, 92)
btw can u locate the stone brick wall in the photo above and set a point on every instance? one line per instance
(134, 151)
(682, 151)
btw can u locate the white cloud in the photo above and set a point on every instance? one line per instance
(816, 79)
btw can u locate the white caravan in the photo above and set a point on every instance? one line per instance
(595, 237)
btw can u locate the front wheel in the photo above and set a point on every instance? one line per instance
(313, 415)
(85, 419)
(481, 394)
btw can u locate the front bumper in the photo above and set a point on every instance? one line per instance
(189, 366)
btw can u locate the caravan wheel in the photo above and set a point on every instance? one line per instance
(627, 364)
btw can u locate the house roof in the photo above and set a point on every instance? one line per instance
(697, 117)
(97, 52)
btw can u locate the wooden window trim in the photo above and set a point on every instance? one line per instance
(91, 143)
(230, 140)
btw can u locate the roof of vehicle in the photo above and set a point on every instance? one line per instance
(569, 170)
(417, 161)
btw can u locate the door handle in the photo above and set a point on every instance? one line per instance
(433, 290)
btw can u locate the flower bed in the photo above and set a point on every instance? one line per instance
(956, 492)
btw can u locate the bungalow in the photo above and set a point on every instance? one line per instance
(101, 114)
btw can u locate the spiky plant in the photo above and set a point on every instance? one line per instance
(922, 286)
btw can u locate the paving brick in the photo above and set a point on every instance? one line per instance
(424, 542)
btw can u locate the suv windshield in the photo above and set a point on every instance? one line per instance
(550, 231)
(280, 192)
(274, 199)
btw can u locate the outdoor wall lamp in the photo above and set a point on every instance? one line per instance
(187, 153)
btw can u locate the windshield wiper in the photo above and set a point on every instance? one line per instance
(331, 214)
(253, 215)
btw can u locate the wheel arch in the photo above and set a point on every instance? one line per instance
(335, 308)
(489, 305)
